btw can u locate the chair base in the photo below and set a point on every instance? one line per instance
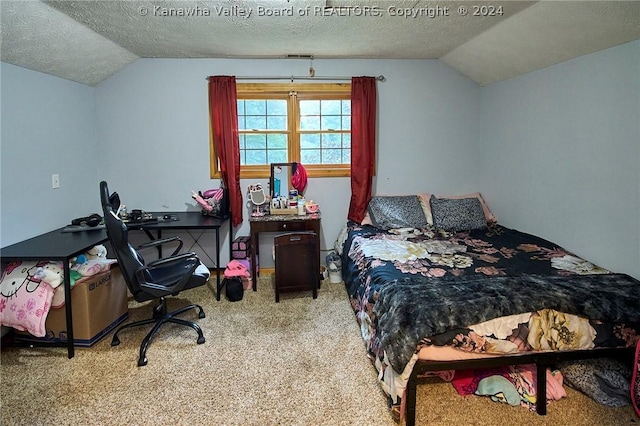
(160, 317)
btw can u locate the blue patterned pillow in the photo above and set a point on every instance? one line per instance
(399, 211)
(463, 214)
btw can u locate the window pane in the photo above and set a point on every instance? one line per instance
(276, 107)
(256, 157)
(346, 122)
(331, 107)
(309, 107)
(332, 156)
(256, 141)
(346, 141)
(309, 140)
(310, 122)
(346, 107)
(242, 122)
(331, 140)
(277, 122)
(276, 141)
(346, 156)
(331, 122)
(256, 107)
(256, 122)
(240, 105)
(310, 156)
(277, 156)
(243, 152)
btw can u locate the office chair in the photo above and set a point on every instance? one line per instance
(155, 280)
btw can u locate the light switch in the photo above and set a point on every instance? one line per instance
(55, 181)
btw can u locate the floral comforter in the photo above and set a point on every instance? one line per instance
(495, 290)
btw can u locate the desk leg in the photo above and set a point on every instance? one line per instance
(68, 309)
(218, 264)
(254, 252)
(153, 238)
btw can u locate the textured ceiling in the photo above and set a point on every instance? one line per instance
(87, 41)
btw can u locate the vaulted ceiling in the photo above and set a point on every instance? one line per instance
(88, 41)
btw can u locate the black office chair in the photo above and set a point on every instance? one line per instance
(155, 280)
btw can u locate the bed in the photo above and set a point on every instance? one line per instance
(437, 285)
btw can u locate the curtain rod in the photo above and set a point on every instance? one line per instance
(300, 77)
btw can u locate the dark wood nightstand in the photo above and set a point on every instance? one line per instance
(281, 223)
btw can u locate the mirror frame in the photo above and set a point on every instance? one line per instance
(271, 179)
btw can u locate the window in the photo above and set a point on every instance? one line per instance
(306, 123)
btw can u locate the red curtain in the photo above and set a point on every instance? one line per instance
(224, 122)
(363, 144)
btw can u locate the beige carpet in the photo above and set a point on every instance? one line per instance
(299, 362)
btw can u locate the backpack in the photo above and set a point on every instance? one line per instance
(234, 289)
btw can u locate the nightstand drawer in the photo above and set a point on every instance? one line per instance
(293, 226)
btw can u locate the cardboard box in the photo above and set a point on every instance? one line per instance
(99, 306)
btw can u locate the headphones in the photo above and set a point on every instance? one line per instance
(91, 220)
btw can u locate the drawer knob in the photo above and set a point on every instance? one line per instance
(284, 226)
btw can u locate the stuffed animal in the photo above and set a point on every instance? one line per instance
(96, 253)
(51, 274)
(79, 259)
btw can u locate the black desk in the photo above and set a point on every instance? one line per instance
(62, 246)
(57, 246)
(186, 221)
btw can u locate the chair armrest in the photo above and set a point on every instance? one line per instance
(163, 241)
(165, 261)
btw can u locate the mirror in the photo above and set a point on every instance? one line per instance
(280, 180)
(257, 197)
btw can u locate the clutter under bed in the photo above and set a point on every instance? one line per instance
(437, 285)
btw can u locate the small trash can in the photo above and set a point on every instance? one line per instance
(334, 266)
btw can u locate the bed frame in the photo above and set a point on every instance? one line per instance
(542, 360)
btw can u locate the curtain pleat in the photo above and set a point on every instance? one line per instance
(224, 122)
(363, 150)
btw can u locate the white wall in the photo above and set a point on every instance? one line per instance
(153, 132)
(560, 155)
(48, 126)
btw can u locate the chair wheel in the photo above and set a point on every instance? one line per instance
(201, 340)
(115, 341)
(142, 362)
(201, 315)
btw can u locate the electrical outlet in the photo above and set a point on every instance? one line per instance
(55, 181)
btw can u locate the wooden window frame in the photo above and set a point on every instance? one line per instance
(301, 91)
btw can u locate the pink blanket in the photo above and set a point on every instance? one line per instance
(29, 289)
(24, 299)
